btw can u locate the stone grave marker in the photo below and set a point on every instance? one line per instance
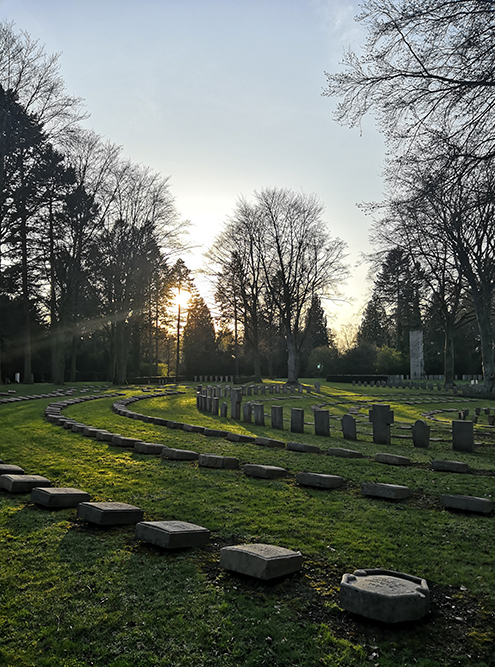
(467, 503)
(450, 466)
(109, 514)
(297, 420)
(317, 387)
(58, 497)
(217, 461)
(301, 447)
(462, 436)
(174, 454)
(6, 469)
(385, 595)
(22, 483)
(263, 472)
(344, 453)
(348, 424)
(224, 410)
(392, 459)
(319, 481)
(261, 561)
(381, 417)
(322, 422)
(421, 434)
(391, 491)
(235, 404)
(247, 412)
(277, 414)
(172, 534)
(259, 414)
(269, 442)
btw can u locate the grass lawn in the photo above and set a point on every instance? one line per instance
(76, 595)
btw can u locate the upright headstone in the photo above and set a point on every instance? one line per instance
(297, 420)
(223, 410)
(317, 387)
(421, 434)
(277, 417)
(381, 417)
(322, 422)
(214, 405)
(246, 412)
(348, 427)
(462, 436)
(259, 414)
(235, 403)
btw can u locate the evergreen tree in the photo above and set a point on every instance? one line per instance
(199, 347)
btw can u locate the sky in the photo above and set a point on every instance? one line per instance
(225, 98)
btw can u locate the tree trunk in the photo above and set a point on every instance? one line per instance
(486, 338)
(292, 359)
(58, 354)
(73, 358)
(448, 354)
(120, 352)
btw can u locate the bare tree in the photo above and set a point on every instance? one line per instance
(288, 258)
(442, 213)
(424, 64)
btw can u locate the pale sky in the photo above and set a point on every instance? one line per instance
(223, 96)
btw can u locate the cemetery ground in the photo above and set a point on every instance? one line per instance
(77, 595)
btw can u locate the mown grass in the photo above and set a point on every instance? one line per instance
(75, 595)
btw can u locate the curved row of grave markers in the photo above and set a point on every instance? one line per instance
(316, 480)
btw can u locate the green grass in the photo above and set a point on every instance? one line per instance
(71, 594)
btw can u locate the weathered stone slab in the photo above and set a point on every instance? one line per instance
(450, 466)
(58, 497)
(385, 595)
(78, 427)
(193, 428)
(262, 561)
(344, 453)
(269, 442)
(421, 434)
(322, 422)
(22, 483)
(297, 420)
(172, 534)
(104, 436)
(238, 437)
(148, 447)
(214, 433)
(348, 424)
(467, 503)
(462, 436)
(381, 416)
(159, 421)
(301, 447)
(392, 491)
(7, 469)
(109, 514)
(264, 472)
(174, 424)
(319, 481)
(217, 461)
(259, 414)
(90, 432)
(122, 441)
(392, 459)
(277, 415)
(178, 454)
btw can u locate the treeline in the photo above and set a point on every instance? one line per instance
(426, 73)
(86, 236)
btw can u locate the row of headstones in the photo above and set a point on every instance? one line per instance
(216, 378)
(221, 391)
(380, 416)
(464, 414)
(465, 390)
(316, 480)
